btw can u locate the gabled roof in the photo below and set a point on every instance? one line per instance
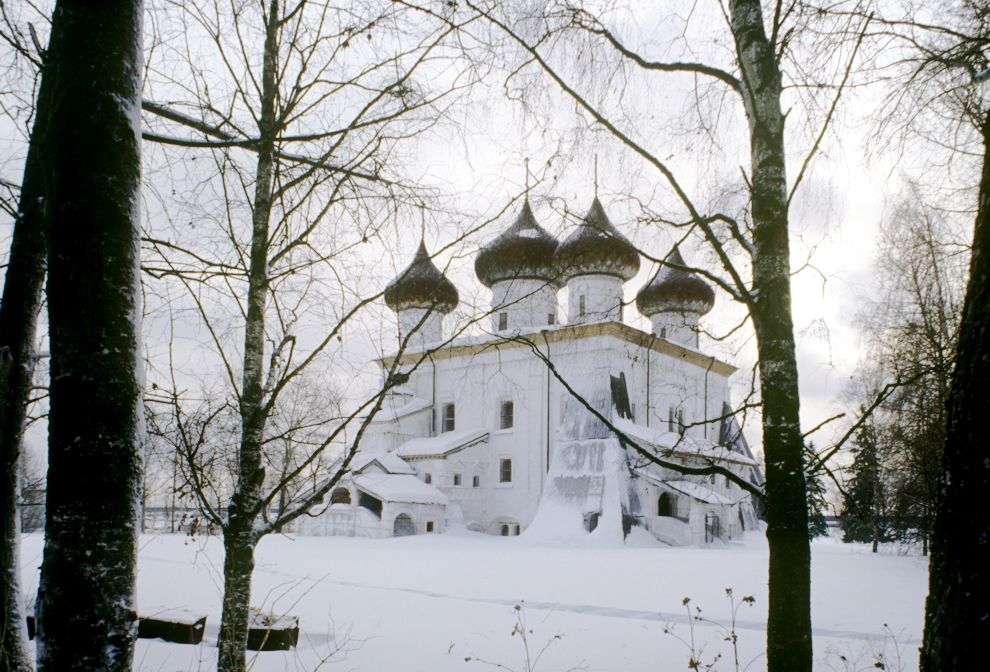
(386, 462)
(399, 488)
(442, 445)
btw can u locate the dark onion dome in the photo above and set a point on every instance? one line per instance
(596, 248)
(422, 285)
(675, 290)
(524, 250)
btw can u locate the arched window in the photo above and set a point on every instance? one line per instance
(504, 530)
(341, 496)
(666, 505)
(403, 526)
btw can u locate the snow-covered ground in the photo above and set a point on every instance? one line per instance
(430, 602)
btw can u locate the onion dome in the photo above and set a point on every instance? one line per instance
(596, 248)
(524, 250)
(675, 290)
(422, 285)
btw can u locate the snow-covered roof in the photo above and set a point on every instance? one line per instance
(698, 491)
(412, 405)
(680, 444)
(442, 445)
(399, 488)
(388, 462)
(702, 493)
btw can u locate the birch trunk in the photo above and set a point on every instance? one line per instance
(957, 612)
(239, 540)
(238, 566)
(86, 594)
(789, 611)
(18, 322)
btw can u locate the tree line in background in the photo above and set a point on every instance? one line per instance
(278, 173)
(910, 325)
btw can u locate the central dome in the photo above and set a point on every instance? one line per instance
(523, 251)
(596, 248)
(421, 285)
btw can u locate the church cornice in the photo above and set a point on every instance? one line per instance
(568, 334)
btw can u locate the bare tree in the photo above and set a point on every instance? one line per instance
(298, 110)
(937, 101)
(910, 321)
(23, 281)
(753, 246)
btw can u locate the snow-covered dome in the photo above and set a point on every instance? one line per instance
(675, 290)
(596, 248)
(523, 251)
(421, 285)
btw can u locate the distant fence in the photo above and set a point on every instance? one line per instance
(161, 519)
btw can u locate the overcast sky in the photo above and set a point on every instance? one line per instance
(474, 161)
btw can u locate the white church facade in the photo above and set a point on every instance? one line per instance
(491, 432)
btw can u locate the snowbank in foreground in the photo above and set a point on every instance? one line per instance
(428, 602)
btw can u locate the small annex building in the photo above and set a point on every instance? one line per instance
(486, 431)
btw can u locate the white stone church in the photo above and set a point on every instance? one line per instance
(488, 433)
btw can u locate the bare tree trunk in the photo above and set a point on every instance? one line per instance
(957, 612)
(238, 566)
(18, 322)
(238, 537)
(86, 594)
(789, 612)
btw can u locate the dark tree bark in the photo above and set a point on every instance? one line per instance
(18, 320)
(789, 610)
(86, 595)
(957, 612)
